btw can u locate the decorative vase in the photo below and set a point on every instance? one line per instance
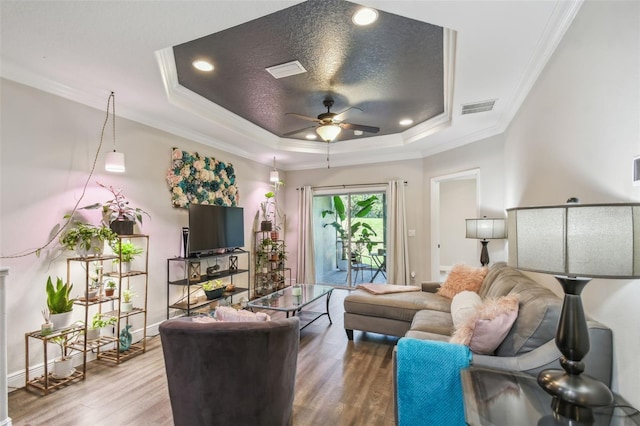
(275, 235)
(126, 306)
(185, 241)
(125, 338)
(122, 227)
(62, 368)
(61, 321)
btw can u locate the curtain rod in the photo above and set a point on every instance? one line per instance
(355, 185)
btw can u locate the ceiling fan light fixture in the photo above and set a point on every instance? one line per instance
(328, 132)
(365, 16)
(203, 65)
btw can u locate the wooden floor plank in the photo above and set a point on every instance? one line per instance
(338, 382)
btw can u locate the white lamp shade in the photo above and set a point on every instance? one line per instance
(328, 132)
(486, 229)
(588, 240)
(274, 176)
(114, 162)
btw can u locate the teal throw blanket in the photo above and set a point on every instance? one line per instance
(428, 382)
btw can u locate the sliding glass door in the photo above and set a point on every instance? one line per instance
(350, 236)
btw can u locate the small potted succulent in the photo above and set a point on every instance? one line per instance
(127, 296)
(110, 288)
(117, 212)
(98, 322)
(127, 252)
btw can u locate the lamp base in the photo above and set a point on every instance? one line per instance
(571, 390)
(484, 253)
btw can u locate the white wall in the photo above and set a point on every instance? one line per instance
(457, 203)
(48, 147)
(576, 135)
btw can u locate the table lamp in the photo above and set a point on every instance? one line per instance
(575, 242)
(485, 229)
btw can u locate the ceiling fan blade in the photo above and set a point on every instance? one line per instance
(303, 117)
(286, 135)
(346, 110)
(368, 129)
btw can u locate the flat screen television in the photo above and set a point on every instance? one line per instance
(214, 229)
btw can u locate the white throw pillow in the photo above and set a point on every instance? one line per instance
(463, 306)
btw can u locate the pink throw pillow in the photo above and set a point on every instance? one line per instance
(226, 313)
(461, 278)
(484, 331)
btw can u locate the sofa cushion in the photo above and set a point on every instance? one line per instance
(464, 306)
(399, 306)
(433, 322)
(461, 278)
(538, 313)
(486, 329)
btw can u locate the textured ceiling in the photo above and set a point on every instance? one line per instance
(390, 70)
(83, 50)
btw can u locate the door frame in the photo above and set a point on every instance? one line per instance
(435, 213)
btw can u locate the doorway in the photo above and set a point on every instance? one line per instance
(454, 197)
(350, 236)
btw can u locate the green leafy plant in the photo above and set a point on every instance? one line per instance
(212, 285)
(111, 284)
(127, 295)
(58, 300)
(117, 208)
(99, 320)
(126, 250)
(80, 235)
(339, 223)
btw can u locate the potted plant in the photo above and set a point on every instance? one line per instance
(110, 288)
(117, 213)
(59, 303)
(98, 322)
(63, 366)
(126, 252)
(86, 239)
(268, 210)
(213, 289)
(127, 297)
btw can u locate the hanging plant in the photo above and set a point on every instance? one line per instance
(196, 179)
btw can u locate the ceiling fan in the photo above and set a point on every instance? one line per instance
(330, 125)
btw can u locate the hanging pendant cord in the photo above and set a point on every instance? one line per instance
(69, 217)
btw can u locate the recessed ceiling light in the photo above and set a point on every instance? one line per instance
(358, 132)
(310, 136)
(365, 16)
(203, 65)
(405, 122)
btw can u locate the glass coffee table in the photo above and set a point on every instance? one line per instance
(291, 300)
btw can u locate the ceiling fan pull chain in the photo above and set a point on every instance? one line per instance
(328, 164)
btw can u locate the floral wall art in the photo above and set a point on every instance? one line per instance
(196, 179)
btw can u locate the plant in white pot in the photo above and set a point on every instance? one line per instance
(86, 239)
(98, 322)
(59, 303)
(63, 366)
(127, 296)
(126, 251)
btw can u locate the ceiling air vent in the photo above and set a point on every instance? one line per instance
(478, 107)
(286, 70)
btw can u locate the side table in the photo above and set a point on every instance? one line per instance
(506, 398)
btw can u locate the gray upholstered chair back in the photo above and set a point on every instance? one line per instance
(231, 373)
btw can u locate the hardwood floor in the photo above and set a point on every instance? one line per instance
(337, 383)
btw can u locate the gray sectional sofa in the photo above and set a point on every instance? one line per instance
(528, 347)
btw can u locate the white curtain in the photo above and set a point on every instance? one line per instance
(397, 244)
(306, 268)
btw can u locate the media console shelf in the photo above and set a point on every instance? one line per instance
(190, 273)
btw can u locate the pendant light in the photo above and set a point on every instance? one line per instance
(274, 176)
(113, 161)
